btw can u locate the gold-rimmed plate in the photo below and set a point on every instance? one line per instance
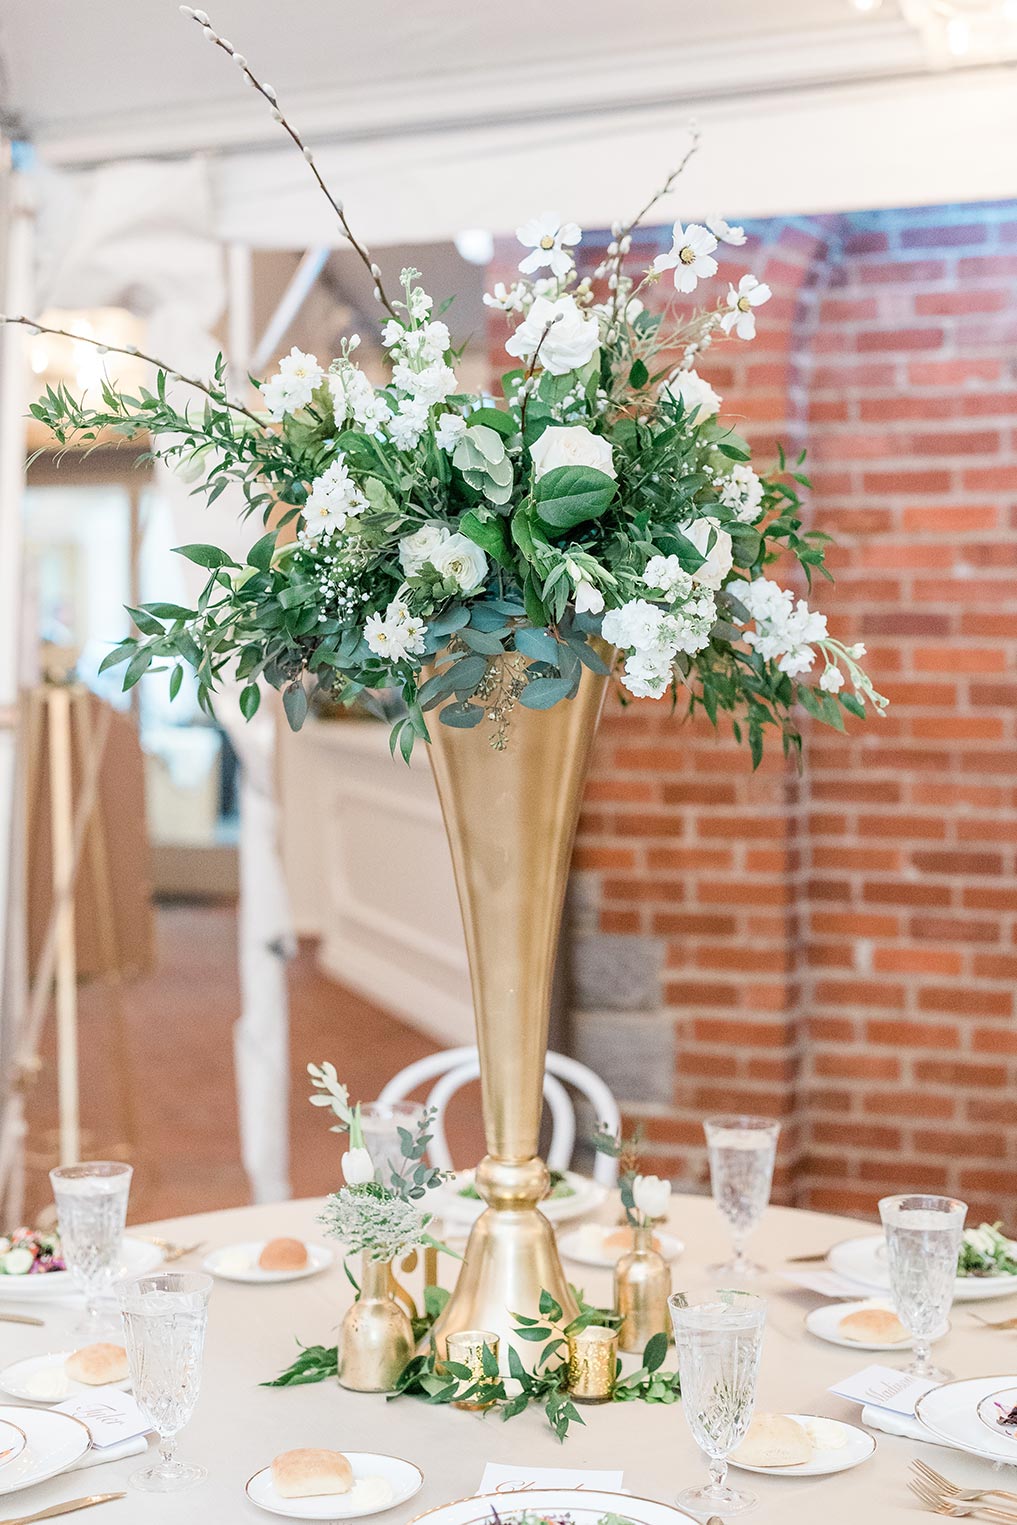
(12, 1442)
(950, 1413)
(54, 1442)
(584, 1506)
(403, 1480)
(993, 1409)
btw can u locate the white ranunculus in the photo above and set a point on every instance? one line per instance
(571, 446)
(719, 556)
(567, 338)
(651, 1195)
(589, 599)
(689, 388)
(421, 546)
(358, 1167)
(459, 560)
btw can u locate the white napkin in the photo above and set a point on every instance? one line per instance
(97, 1456)
(900, 1424)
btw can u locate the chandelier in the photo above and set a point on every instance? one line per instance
(960, 31)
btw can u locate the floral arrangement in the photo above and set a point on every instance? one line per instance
(476, 552)
(380, 1220)
(644, 1198)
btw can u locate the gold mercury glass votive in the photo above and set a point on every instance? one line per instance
(466, 1348)
(593, 1357)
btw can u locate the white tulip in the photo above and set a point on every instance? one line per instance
(358, 1167)
(651, 1196)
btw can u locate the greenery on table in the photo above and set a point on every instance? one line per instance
(439, 1382)
(986, 1251)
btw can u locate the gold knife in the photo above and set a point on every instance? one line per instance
(805, 1260)
(69, 1508)
(21, 1318)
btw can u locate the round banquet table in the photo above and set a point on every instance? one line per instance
(239, 1426)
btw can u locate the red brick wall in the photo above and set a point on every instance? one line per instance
(840, 949)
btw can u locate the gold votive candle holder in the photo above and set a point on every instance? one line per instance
(466, 1348)
(593, 1359)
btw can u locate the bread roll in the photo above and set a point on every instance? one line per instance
(306, 1473)
(879, 1326)
(97, 1364)
(774, 1440)
(283, 1255)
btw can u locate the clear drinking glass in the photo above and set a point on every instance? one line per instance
(381, 1122)
(164, 1316)
(923, 1243)
(742, 1153)
(91, 1203)
(719, 1336)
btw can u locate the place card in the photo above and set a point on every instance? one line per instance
(500, 1478)
(110, 1419)
(883, 1387)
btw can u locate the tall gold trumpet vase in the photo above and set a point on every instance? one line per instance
(511, 814)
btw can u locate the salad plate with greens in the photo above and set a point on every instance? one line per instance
(987, 1266)
(555, 1506)
(571, 1196)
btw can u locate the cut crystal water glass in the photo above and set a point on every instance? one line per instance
(719, 1336)
(381, 1122)
(742, 1152)
(91, 1203)
(923, 1244)
(164, 1316)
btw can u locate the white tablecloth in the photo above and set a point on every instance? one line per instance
(238, 1426)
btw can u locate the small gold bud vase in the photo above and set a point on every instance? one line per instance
(642, 1286)
(466, 1348)
(376, 1339)
(593, 1359)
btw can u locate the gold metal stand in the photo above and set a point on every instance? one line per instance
(511, 819)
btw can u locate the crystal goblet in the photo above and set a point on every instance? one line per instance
(164, 1315)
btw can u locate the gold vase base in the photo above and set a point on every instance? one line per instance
(511, 1257)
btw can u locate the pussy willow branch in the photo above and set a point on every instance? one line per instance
(132, 351)
(269, 95)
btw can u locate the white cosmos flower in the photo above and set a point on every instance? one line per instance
(651, 1195)
(358, 1167)
(589, 599)
(724, 231)
(547, 236)
(395, 634)
(571, 445)
(750, 293)
(506, 298)
(690, 256)
(567, 339)
(719, 555)
(421, 546)
(459, 560)
(689, 388)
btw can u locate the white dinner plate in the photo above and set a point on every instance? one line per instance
(858, 1446)
(16, 1380)
(405, 1478)
(583, 1506)
(950, 1413)
(12, 1442)
(450, 1206)
(864, 1261)
(54, 1442)
(993, 1407)
(239, 1262)
(586, 1245)
(137, 1256)
(824, 1323)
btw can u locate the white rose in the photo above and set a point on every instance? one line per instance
(690, 388)
(571, 446)
(358, 1167)
(651, 1195)
(459, 560)
(570, 342)
(421, 546)
(719, 558)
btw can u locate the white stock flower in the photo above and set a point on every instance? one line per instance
(571, 445)
(333, 499)
(690, 256)
(831, 680)
(567, 339)
(740, 317)
(784, 628)
(420, 304)
(689, 388)
(636, 623)
(588, 599)
(667, 574)
(406, 426)
(547, 236)
(651, 1195)
(742, 491)
(358, 1167)
(367, 406)
(857, 651)
(722, 229)
(459, 560)
(647, 674)
(393, 333)
(431, 385)
(450, 430)
(719, 554)
(421, 546)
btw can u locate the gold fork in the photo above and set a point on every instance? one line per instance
(171, 1251)
(944, 1486)
(958, 1509)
